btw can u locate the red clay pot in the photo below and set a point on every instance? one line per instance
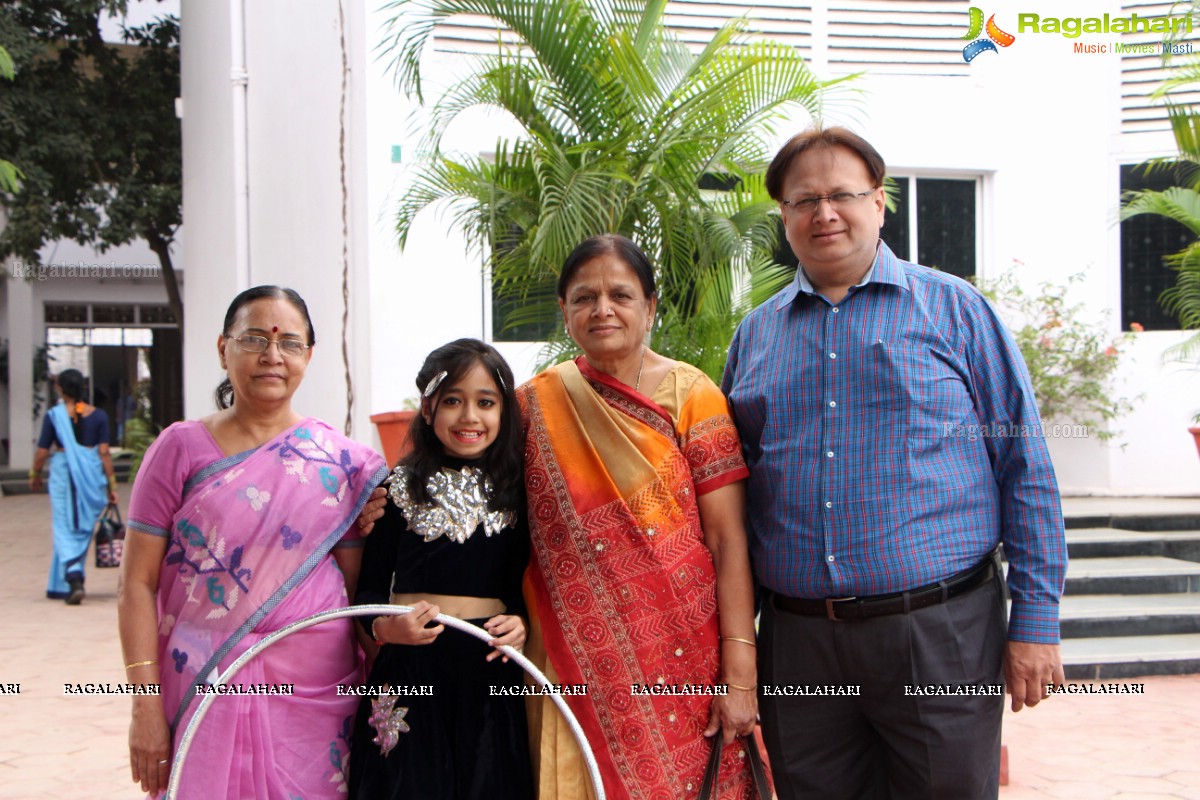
(393, 433)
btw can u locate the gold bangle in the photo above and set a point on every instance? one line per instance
(743, 688)
(141, 663)
(112, 481)
(739, 639)
(34, 473)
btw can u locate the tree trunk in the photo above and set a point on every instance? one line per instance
(162, 249)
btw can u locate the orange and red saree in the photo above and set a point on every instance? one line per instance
(622, 586)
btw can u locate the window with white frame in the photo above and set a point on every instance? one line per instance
(936, 223)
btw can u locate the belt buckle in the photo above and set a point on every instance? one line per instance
(829, 601)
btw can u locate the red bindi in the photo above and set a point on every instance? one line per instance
(274, 329)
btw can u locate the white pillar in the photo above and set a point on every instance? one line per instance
(26, 333)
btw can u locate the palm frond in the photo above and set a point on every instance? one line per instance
(1177, 203)
(621, 126)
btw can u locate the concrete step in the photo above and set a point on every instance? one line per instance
(1177, 520)
(1132, 575)
(1106, 657)
(1109, 542)
(1098, 615)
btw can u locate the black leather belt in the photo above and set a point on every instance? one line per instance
(840, 609)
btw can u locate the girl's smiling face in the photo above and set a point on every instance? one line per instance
(468, 415)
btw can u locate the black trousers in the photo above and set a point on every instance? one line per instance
(905, 734)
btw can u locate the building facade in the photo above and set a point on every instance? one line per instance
(297, 145)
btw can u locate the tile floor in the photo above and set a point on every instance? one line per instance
(1127, 746)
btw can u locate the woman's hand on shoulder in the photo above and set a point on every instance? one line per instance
(508, 629)
(372, 510)
(150, 745)
(409, 628)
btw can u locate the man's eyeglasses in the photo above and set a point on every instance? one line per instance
(259, 344)
(837, 200)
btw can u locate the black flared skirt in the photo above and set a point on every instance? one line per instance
(448, 734)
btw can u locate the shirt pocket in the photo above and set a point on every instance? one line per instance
(921, 386)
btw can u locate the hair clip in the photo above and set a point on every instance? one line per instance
(435, 383)
(503, 386)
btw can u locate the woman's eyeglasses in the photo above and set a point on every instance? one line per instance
(259, 344)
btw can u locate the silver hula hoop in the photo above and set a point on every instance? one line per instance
(185, 741)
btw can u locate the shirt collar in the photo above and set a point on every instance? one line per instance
(884, 269)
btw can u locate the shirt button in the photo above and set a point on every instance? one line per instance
(828, 504)
(835, 309)
(833, 355)
(829, 454)
(833, 403)
(678, 651)
(830, 559)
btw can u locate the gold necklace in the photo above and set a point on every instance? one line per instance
(638, 385)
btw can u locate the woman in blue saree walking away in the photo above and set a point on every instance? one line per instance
(81, 480)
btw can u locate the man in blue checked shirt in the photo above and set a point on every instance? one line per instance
(893, 442)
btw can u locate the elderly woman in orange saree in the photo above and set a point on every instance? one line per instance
(640, 576)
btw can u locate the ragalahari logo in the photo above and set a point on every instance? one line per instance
(995, 36)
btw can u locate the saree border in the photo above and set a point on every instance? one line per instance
(600, 718)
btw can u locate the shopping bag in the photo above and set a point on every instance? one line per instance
(110, 537)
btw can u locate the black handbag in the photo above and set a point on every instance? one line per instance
(110, 537)
(708, 788)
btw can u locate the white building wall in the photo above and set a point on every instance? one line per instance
(433, 291)
(1039, 122)
(289, 231)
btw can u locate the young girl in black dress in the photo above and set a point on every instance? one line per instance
(453, 539)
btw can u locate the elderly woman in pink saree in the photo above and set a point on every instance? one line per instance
(241, 523)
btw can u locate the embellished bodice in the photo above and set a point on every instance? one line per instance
(458, 504)
(453, 545)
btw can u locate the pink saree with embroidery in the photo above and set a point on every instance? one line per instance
(250, 552)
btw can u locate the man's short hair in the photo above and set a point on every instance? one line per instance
(822, 137)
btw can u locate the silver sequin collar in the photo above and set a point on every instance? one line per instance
(459, 506)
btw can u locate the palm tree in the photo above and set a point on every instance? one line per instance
(1180, 203)
(626, 131)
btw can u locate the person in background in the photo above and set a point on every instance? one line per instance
(82, 482)
(239, 525)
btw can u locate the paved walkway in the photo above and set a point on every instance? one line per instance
(1125, 746)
